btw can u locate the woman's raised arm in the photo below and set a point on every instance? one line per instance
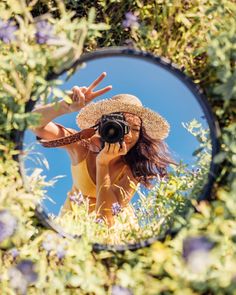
(80, 97)
(46, 128)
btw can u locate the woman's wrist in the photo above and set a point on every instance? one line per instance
(50, 112)
(100, 163)
(65, 107)
(71, 107)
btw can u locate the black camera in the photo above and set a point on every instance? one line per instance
(112, 128)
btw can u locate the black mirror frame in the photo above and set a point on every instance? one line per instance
(18, 137)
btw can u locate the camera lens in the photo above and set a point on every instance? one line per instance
(111, 131)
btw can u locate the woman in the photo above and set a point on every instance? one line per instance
(104, 175)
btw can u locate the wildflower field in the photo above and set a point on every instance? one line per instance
(38, 38)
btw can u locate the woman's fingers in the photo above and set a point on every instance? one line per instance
(123, 148)
(85, 94)
(90, 94)
(110, 152)
(115, 148)
(97, 81)
(107, 147)
(100, 92)
(84, 89)
(78, 95)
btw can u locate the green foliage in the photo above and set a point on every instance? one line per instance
(33, 53)
(198, 36)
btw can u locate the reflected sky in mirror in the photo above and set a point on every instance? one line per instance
(156, 87)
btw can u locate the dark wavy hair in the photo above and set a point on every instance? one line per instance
(148, 159)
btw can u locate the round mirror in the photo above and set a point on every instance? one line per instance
(135, 189)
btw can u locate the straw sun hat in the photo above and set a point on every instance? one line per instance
(155, 125)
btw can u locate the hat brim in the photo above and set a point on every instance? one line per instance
(155, 125)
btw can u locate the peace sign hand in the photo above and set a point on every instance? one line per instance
(83, 95)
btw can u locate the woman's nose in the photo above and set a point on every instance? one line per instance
(128, 136)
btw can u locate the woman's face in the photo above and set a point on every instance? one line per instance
(135, 126)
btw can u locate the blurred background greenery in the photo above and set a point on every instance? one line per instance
(40, 37)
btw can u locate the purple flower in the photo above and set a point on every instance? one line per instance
(143, 211)
(196, 254)
(196, 171)
(48, 243)
(61, 252)
(14, 252)
(119, 290)
(130, 21)
(44, 32)
(196, 244)
(51, 242)
(7, 31)
(116, 208)
(26, 267)
(8, 225)
(22, 275)
(77, 199)
(129, 43)
(99, 220)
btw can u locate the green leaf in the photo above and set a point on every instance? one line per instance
(228, 89)
(99, 27)
(219, 158)
(91, 15)
(197, 151)
(57, 92)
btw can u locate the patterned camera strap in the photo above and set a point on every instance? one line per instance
(81, 135)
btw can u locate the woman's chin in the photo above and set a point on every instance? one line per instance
(129, 146)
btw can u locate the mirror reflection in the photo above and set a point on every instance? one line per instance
(144, 151)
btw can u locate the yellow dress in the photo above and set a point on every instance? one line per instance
(83, 185)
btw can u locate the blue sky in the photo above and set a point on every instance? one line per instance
(156, 87)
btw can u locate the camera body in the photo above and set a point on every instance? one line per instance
(112, 128)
